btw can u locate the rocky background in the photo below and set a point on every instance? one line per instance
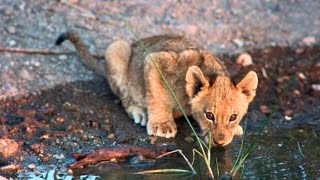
(227, 26)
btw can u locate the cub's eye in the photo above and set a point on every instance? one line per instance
(233, 117)
(210, 116)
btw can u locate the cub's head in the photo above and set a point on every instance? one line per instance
(218, 104)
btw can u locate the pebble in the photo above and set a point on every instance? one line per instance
(153, 139)
(84, 137)
(288, 112)
(244, 60)
(8, 147)
(8, 12)
(111, 136)
(26, 75)
(189, 139)
(192, 29)
(139, 159)
(11, 29)
(62, 57)
(94, 124)
(296, 92)
(265, 109)
(59, 156)
(309, 41)
(301, 76)
(70, 172)
(60, 119)
(71, 107)
(12, 43)
(36, 63)
(299, 50)
(238, 42)
(32, 166)
(288, 118)
(315, 87)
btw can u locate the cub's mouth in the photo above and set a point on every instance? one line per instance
(219, 140)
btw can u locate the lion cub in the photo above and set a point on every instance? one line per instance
(199, 80)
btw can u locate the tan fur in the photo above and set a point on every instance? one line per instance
(199, 80)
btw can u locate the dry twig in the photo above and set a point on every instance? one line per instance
(33, 51)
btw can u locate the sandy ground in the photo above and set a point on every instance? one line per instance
(228, 26)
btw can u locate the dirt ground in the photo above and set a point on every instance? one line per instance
(84, 116)
(52, 106)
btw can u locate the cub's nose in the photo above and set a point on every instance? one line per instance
(220, 140)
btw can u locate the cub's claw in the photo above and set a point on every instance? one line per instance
(138, 115)
(238, 131)
(167, 129)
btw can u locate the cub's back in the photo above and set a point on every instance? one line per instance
(163, 43)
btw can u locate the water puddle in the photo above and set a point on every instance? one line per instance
(279, 154)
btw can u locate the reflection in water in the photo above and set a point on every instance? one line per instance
(282, 154)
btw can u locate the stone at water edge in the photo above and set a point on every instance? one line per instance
(8, 147)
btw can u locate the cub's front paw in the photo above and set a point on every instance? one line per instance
(238, 131)
(138, 115)
(166, 129)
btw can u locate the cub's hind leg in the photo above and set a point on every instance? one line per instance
(117, 61)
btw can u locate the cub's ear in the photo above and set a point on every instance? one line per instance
(248, 85)
(195, 81)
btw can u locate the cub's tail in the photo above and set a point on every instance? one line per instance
(91, 62)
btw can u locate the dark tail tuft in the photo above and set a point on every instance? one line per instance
(61, 38)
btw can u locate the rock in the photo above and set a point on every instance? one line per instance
(265, 109)
(192, 29)
(70, 172)
(60, 119)
(189, 139)
(32, 166)
(26, 75)
(309, 41)
(8, 147)
(113, 160)
(45, 137)
(62, 57)
(139, 159)
(153, 139)
(71, 107)
(8, 12)
(301, 76)
(59, 156)
(238, 42)
(299, 50)
(296, 92)
(244, 60)
(12, 43)
(315, 87)
(11, 29)
(288, 112)
(288, 118)
(36, 63)
(111, 136)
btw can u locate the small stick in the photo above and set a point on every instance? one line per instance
(40, 51)
(119, 152)
(32, 51)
